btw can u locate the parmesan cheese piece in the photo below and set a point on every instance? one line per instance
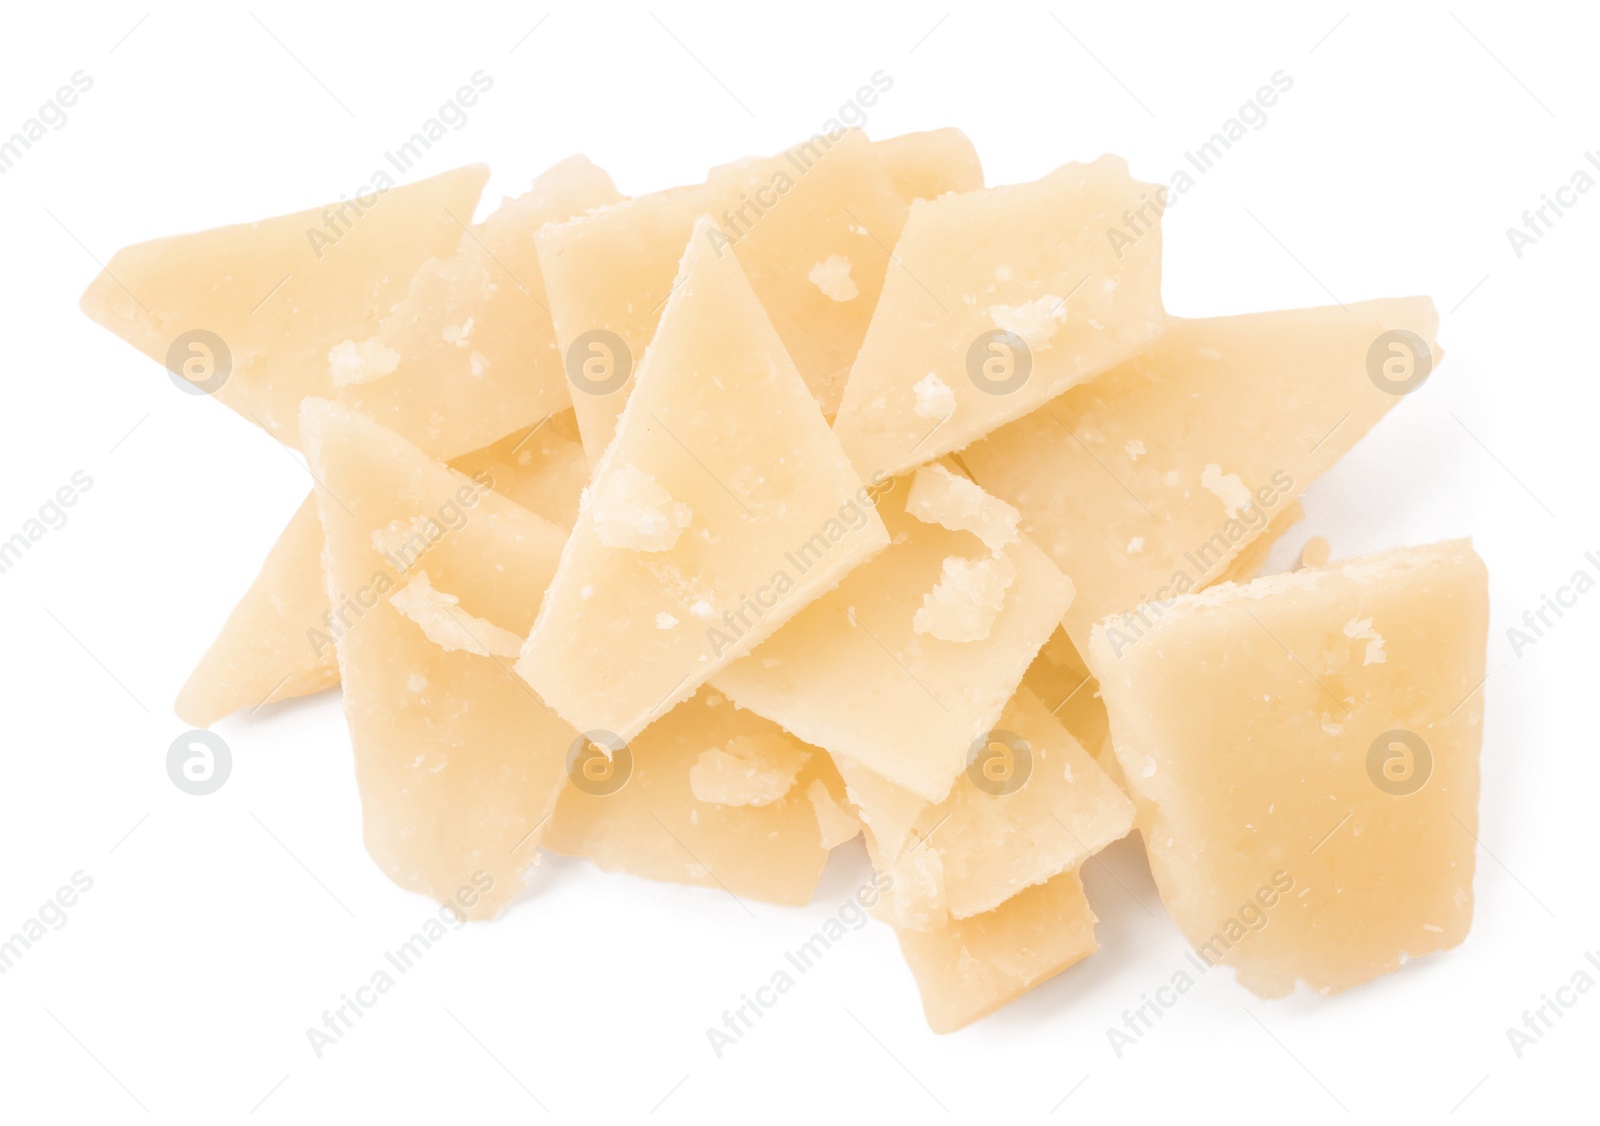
(853, 674)
(655, 826)
(1296, 790)
(443, 622)
(968, 968)
(973, 267)
(278, 642)
(612, 271)
(748, 770)
(280, 294)
(1043, 808)
(473, 347)
(939, 496)
(1232, 442)
(457, 762)
(722, 422)
(927, 165)
(967, 599)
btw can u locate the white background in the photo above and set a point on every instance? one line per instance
(219, 928)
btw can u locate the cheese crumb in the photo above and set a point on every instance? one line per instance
(1362, 628)
(665, 620)
(967, 600)
(350, 362)
(1135, 449)
(748, 771)
(449, 627)
(1035, 321)
(935, 399)
(941, 497)
(1228, 488)
(630, 510)
(833, 278)
(457, 334)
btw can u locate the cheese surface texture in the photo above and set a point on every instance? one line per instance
(1304, 753)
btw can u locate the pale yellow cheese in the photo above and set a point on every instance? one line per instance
(975, 271)
(1059, 677)
(474, 347)
(458, 762)
(854, 674)
(1031, 804)
(765, 513)
(784, 217)
(1304, 752)
(278, 642)
(648, 821)
(281, 293)
(1147, 481)
(968, 968)
(927, 165)
(1246, 565)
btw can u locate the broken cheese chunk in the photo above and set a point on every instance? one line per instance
(1310, 814)
(722, 423)
(971, 271)
(458, 763)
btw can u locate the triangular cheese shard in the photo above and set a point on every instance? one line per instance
(927, 165)
(998, 301)
(458, 761)
(474, 347)
(279, 641)
(1031, 805)
(250, 312)
(915, 655)
(723, 506)
(1144, 484)
(1304, 754)
(641, 812)
(812, 227)
(968, 968)
(274, 645)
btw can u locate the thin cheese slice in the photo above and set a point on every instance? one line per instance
(1304, 751)
(1060, 678)
(723, 506)
(973, 273)
(279, 641)
(457, 760)
(1146, 482)
(477, 355)
(652, 824)
(1032, 805)
(279, 294)
(968, 968)
(853, 673)
(812, 227)
(927, 165)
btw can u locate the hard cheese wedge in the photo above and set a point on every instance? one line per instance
(812, 227)
(999, 300)
(968, 968)
(863, 671)
(471, 351)
(1146, 482)
(1304, 751)
(280, 293)
(458, 761)
(653, 824)
(1032, 805)
(723, 506)
(927, 165)
(279, 641)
